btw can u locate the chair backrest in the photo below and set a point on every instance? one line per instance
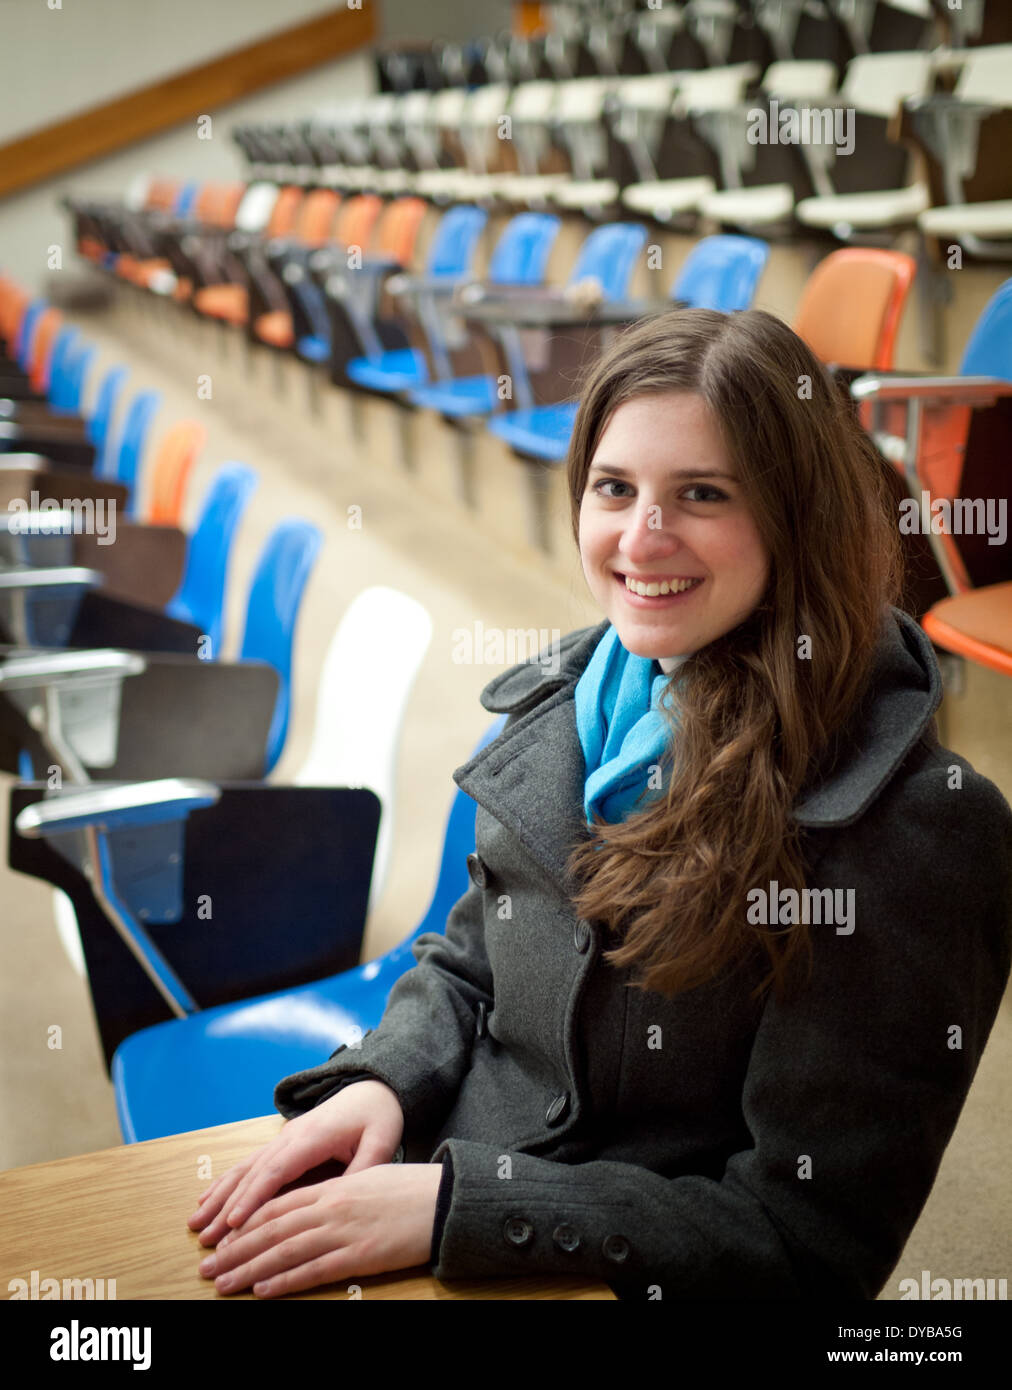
(367, 677)
(121, 464)
(60, 359)
(227, 204)
(26, 332)
(356, 219)
(78, 367)
(202, 588)
(453, 881)
(170, 473)
(274, 598)
(721, 272)
(316, 216)
(851, 306)
(185, 199)
(205, 202)
(609, 255)
(989, 350)
(46, 328)
(521, 253)
(453, 246)
(257, 204)
(285, 212)
(396, 234)
(105, 404)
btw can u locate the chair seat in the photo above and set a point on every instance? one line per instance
(750, 207)
(275, 329)
(542, 432)
(402, 369)
(313, 349)
(969, 219)
(521, 188)
(227, 302)
(667, 197)
(977, 625)
(469, 395)
(223, 1063)
(881, 209)
(585, 193)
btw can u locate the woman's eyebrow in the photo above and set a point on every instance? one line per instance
(617, 469)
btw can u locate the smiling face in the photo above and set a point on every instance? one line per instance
(663, 503)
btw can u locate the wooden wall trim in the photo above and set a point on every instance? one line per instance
(102, 130)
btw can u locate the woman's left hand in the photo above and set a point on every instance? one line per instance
(362, 1223)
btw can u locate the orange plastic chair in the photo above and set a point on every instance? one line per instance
(171, 471)
(46, 329)
(397, 232)
(976, 625)
(355, 222)
(851, 307)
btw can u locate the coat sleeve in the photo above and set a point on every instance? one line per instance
(422, 1045)
(852, 1091)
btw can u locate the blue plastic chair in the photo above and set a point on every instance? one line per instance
(722, 272)
(122, 464)
(105, 404)
(989, 349)
(274, 598)
(449, 259)
(200, 598)
(60, 355)
(26, 332)
(185, 199)
(77, 368)
(223, 1063)
(609, 256)
(519, 258)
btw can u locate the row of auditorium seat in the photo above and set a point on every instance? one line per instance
(611, 39)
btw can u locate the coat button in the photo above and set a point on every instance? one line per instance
(558, 1108)
(481, 1027)
(582, 936)
(477, 870)
(518, 1231)
(615, 1248)
(566, 1238)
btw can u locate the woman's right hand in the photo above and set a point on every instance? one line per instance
(360, 1126)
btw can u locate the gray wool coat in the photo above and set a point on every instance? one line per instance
(706, 1146)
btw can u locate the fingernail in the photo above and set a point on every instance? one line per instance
(207, 1266)
(224, 1282)
(233, 1217)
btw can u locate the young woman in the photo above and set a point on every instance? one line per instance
(738, 926)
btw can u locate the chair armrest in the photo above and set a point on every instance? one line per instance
(78, 668)
(121, 807)
(941, 390)
(68, 576)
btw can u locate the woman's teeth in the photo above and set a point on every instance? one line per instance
(674, 586)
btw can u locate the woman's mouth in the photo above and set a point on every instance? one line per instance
(654, 593)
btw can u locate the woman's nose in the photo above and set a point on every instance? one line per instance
(647, 533)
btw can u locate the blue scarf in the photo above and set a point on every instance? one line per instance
(621, 728)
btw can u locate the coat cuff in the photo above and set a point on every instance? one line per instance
(442, 1207)
(510, 1213)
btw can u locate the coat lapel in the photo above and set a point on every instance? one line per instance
(531, 777)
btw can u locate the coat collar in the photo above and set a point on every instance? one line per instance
(531, 777)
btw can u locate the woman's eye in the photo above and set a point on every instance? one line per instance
(710, 494)
(608, 482)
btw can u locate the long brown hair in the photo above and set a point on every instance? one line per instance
(755, 720)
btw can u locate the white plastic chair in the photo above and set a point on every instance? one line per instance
(367, 677)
